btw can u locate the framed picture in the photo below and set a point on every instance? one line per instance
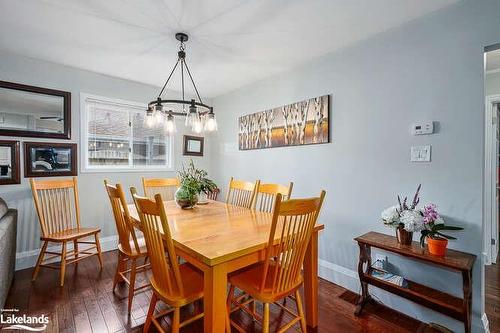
(34, 111)
(193, 145)
(46, 159)
(10, 172)
(302, 123)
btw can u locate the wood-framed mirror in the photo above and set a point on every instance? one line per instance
(31, 111)
(9, 162)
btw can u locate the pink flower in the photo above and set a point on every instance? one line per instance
(430, 213)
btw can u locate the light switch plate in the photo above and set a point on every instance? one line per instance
(420, 154)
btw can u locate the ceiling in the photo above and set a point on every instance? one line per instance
(493, 61)
(232, 43)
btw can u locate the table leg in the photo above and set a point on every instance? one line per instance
(215, 287)
(311, 281)
(467, 301)
(364, 258)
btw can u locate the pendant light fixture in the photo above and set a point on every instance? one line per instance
(199, 116)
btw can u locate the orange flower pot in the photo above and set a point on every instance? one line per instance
(437, 247)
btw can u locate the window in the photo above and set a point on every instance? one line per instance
(115, 137)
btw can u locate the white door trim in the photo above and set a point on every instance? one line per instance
(490, 186)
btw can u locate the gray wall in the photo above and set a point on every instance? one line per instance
(94, 206)
(429, 69)
(492, 84)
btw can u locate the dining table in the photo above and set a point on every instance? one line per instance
(219, 239)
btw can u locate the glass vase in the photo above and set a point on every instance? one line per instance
(185, 199)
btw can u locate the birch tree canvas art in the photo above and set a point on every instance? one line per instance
(301, 123)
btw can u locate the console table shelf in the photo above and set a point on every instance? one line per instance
(458, 308)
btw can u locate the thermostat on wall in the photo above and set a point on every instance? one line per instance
(422, 128)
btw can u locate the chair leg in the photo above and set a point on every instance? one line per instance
(75, 248)
(63, 264)
(98, 245)
(150, 315)
(131, 287)
(39, 261)
(228, 308)
(298, 301)
(176, 321)
(119, 268)
(265, 322)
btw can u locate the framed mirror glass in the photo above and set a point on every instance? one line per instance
(193, 145)
(34, 112)
(9, 162)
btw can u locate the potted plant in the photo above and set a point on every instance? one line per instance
(193, 182)
(433, 227)
(404, 219)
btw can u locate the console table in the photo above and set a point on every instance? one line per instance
(458, 308)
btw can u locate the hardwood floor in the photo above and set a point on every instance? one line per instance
(492, 286)
(87, 304)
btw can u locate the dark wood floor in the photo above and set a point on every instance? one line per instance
(86, 304)
(492, 277)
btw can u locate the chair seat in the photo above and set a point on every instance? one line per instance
(250, 280)
(141, 242)
(70, 234)
(192, 281)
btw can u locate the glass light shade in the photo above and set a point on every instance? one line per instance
(211, 123)
(158, 117)
(170, 124)
(149, 119)
(191, 118)
(197, 125)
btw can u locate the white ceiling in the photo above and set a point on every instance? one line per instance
(232, 43)
(493, 61)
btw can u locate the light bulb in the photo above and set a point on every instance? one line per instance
(170, 124)
(158, 117)
(197, 125)
(211, 123)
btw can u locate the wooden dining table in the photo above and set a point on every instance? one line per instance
(218, 239)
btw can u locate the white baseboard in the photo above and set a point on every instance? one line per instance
(28, 259)
(339, 275)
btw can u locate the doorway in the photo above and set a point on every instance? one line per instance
(492, 186)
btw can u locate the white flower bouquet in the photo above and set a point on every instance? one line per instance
(403, 216)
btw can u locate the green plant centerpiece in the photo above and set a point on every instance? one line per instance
(193, 182)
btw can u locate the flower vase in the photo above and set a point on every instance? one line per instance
(404, 237)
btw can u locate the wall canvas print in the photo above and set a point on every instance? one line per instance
(301, 123)
(49, 159)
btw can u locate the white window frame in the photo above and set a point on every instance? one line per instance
(85, 167)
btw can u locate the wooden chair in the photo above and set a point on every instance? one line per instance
(214, 194)
(279, 276)
(241, 193)
(173, 283)
(130, 248)
(56, 203)
(266, 195)
(165, 186)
